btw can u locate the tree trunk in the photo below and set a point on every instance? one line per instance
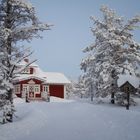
(128, 99)
(10, 99)
(8, 47)
(113, 75)
(112, 98)
(91, 92)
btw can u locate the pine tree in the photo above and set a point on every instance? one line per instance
(18, 23)
(79, 87)
(114, 45)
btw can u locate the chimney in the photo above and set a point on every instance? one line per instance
(26, 60)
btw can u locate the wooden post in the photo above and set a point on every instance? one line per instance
(128, 98)
(112, 98)
(112, 95)
(26, 98)
(91, 92)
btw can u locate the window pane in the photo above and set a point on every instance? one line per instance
(37, 88)
(45, 88)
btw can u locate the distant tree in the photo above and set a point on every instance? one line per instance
(77, 89)
(106, 57)
(18, 22)
(69, 90)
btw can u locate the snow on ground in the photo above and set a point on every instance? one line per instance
(71, 120)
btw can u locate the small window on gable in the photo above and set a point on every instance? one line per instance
(26, 71)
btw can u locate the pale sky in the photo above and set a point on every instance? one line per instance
(60, 50)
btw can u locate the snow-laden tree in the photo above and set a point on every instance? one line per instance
(77, 89)
(114, 45)
(18, 23)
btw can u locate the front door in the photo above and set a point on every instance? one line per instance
(31, 91)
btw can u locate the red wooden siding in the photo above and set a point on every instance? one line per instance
(26, 82)
(18, 95)
(38, 95)
(56, 90)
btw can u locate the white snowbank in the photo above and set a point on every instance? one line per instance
(56, 99)
(18, 100)
(64, 120)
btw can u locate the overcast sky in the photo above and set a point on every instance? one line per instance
(60, 50)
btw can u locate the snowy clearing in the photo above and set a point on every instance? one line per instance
(71, 120)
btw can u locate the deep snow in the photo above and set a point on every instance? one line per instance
(71, 120)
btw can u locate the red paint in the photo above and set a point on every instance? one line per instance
(18, 95)
(26, 82)
(56, 90)
(38, 95)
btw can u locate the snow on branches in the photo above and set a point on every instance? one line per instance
(18, 23)
(114, 45)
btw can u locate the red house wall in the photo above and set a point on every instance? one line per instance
(56, 90)
(26, 82)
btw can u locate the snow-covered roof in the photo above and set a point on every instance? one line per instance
(46, 77)
(37, 74)
(24, 63)
(133, 80)
(57, 78)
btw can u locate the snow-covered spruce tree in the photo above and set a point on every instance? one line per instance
(76, 89)
(18, 22)
(79, 88)
(69, 90)
(89, 76)
(114, 45)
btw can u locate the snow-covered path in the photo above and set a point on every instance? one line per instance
(72, 121)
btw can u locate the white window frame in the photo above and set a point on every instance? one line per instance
(45, 87)
(36, 88)
(25, 89)
(17, 89)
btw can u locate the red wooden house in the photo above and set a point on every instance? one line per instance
(36, 84)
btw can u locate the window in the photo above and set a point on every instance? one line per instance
(37, 88)
(26, 71)
(17, 89)
(25, 88)
(45, 89)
